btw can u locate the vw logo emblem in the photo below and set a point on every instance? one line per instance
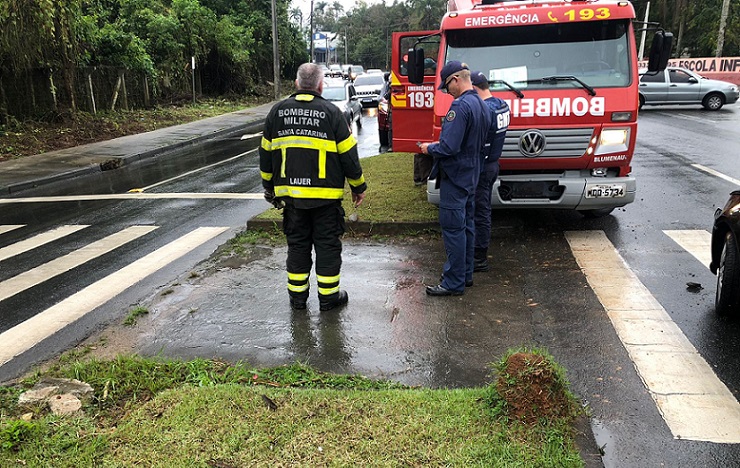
(532, 143)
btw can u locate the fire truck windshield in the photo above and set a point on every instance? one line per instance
(595, 53)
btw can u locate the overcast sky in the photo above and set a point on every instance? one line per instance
(305, 5)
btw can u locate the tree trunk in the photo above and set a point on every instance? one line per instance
(146, 92)
(125, 94)
(91, 92)
(115, 91)
(53, 90)
(3, 103)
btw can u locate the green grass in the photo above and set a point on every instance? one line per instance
(151, 412)
(134, 314)
(391, 195)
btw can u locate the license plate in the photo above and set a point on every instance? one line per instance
(605, 191)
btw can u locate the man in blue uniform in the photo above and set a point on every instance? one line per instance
(500, 117)
(457, 169)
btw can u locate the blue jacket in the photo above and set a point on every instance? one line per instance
(500, 116)
(464, 129)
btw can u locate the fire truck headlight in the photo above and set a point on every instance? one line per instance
(613, 140)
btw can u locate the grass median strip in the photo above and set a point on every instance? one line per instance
(208, 413)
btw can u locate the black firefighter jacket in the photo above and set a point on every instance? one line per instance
(308, 150)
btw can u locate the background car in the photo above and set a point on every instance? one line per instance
(353, 71)
(335, 70)
(343, 95)
(678, 85)
(384, 114)
(726, 256)
(368, 88)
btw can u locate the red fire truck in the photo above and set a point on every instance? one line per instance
(568, 70)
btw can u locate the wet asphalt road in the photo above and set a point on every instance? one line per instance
(534, 295)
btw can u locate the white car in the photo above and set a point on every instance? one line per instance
(368, 88)
(678, 85)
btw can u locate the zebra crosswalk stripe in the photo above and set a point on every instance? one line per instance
(65, 263)
(9, 227)
(25, 335)
(696, 242)
(694, 402)
(39, 240)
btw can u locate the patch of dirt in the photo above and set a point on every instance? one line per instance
(533, 389)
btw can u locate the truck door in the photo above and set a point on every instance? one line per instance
(412, 106)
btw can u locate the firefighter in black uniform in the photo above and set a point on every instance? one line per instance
(306, 153)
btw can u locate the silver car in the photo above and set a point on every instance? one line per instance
(678, 85)
(368, 88)
(343, 95)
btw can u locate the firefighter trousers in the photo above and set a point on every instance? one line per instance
(318, 229)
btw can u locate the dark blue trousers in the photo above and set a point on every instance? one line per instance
(456, 218)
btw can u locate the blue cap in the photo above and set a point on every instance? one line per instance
(478, 79)
(450, 69)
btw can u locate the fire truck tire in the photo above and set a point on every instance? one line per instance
(642, 101)
(727, 300)
(597, 213)
(713, 101)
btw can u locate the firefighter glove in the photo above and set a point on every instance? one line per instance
(276, 202)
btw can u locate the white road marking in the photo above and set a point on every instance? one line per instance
(693, 401)
(56, 267)
(25, 335)
(9, 227)
(696, 242)
(194, 171)
(134, 196)
(39, 240)
(711, 171)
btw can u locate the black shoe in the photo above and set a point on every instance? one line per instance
(481, 266)
(468, 284)
(332, 301)
(440, 291)
(297, 304)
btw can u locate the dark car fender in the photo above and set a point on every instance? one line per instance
(725, 220)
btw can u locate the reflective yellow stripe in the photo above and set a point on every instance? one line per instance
(266, 145)
(356, 182)
(347, 144)
(283, 152)
(297, 276)
(304, 142)
(301, 288)
(304, 97)
(325, 193)
(327, 279)
(322, 164)
(266, 175)
(328, 291)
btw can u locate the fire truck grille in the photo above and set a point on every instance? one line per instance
(549, 143)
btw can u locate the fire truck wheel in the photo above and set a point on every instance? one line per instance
(642, 101)
(713, 101)
(727, 300)
(598, 213)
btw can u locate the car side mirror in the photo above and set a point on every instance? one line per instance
(693, 80)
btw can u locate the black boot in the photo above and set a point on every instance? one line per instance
(480, 260)
(298, 302)
(332, 301)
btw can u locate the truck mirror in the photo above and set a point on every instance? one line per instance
(416, 66)
(660, 51)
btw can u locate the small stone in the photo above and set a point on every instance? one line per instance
(37, 394)
(27, 417)
(65, 404)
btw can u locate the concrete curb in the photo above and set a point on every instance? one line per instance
(358, 228)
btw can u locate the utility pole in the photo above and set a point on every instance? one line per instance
(275, 51)
(644, 31)
(311, 31)
(722, 25)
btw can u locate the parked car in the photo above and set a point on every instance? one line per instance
(726, 256)
(677, 85)
(373, 70)
(353, 71)
(368, 89)
(343, 95)
(326, 70)
(335, 70)
(384, 114)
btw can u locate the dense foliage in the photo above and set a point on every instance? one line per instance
(231, 40)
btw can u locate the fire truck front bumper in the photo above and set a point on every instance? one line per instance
(573, 190)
